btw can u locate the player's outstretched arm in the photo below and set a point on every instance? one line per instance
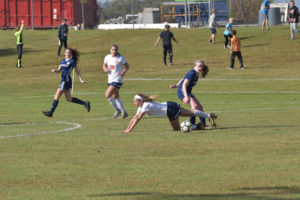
(172, 86)
(57, 70)
(133, 122)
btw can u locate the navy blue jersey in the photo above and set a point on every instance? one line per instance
(66, 67)
(193, 77)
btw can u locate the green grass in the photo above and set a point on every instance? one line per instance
(253, 154)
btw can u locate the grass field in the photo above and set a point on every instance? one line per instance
(252, 154)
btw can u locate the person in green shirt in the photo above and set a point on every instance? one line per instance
(20, 42)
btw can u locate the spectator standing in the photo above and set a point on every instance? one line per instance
(212, 26)
(235, 50)
(265, 14)
(293, 19)
(62, 36)
(20, 42)
(227, 32)
(167, 36)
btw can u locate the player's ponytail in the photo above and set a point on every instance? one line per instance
(146, 98)
(75, 54)
(205, 68)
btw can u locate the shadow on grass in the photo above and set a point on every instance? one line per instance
(13, 51)
(266, 126)
(255, 45)
(161, 196)
(246, 37)
(274, 190)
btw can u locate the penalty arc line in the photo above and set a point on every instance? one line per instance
(75, 126)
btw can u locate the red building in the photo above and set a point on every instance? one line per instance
(47, 13)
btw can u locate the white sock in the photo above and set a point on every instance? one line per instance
(120, 105)
(201, 114)
(113, 103)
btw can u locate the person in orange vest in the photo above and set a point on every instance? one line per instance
(235, 50)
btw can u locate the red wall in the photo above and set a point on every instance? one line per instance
(47, 13)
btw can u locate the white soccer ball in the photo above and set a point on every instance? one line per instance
(186, 126)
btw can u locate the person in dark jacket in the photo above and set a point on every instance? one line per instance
(166, 35)
(62, 36)
(293, 19)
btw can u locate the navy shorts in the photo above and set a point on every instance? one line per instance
(265, 16)
(213, 31)
(180, 94)
(173, 110)
(65, 85)
(115, 84)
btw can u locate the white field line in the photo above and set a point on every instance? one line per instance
(214, 79)
(75, 126)
(156, 92)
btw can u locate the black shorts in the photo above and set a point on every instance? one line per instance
(173, 110)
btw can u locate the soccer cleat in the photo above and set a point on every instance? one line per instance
(87, 105)
(230, 68)
(116, 114)
(171, 64)
(124, 115)
(242, 68)
(200, 126)
(47, 113)
(212, 119)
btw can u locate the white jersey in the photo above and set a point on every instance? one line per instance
(115, 66)
(212, 21)
(154, 109)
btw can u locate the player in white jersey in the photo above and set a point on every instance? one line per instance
(113, 65)
(146, 105)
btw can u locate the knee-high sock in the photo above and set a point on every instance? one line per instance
(202, 120)
(113, 104)
(201, 114)
(120, 105)
(78, 101)
(193, 120)
(54, 105)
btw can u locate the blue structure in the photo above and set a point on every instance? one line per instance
(199, 10)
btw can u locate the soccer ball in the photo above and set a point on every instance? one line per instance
(186, 126)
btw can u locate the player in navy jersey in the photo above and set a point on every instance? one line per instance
(65, 67)
(184, 90)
